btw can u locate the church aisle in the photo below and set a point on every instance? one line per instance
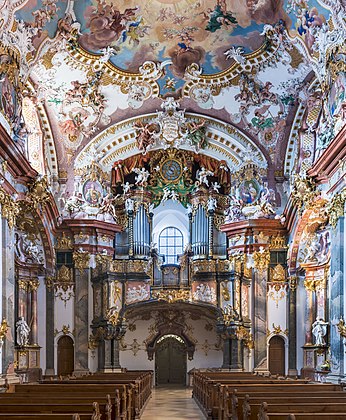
(170, 403)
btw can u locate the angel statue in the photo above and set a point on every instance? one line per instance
(319, 330)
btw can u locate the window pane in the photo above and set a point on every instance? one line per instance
(171, 244)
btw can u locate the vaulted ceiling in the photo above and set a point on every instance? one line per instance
(246, 66)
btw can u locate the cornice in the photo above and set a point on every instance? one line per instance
(328, 162)
(267, 226)
(17, 164)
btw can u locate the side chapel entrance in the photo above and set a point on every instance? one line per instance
(170, 360)
(65, 356)
(277, 356)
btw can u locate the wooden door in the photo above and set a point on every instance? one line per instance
(170, 362)
(65, 355)
(277, 355)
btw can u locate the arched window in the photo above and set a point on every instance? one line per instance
(171, 244)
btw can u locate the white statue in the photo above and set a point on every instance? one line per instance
(174, 195)
(166, 194)
(211, 204)
(126, 187)
(215, 186)
(129, 204)
(319, 330)
(142, 176)
(74, 204)
(23, 331)
(313, 249)
(202, 176)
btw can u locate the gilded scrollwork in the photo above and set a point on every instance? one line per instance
(113, 315)
(9, 208)
(278, 274)
(341, 328)
(3, 331)
(304, 192)
(171, 296)
(38, 193)
(64, 242)
(277, 242)
(261, 259)
(81, 260)
(335, 208)
(277, 330)
(103, 262)
(245, 335)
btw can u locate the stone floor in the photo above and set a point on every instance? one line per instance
(168, 403)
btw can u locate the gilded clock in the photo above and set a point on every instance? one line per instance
(171, 170)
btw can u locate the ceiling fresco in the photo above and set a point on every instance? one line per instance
(252, 64)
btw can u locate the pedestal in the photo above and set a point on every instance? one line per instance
(314, 357)
(27, 362)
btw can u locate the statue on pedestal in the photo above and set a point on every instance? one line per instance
(23, 331)
(319, 330)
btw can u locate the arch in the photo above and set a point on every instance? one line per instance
(277, 355)
(225, 142)
(65, 355)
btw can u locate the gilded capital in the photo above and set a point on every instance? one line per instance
(335, 208)
(310, 285)
(23, 284)
(81, 260)
(33, 285)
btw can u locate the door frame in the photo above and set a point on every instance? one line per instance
(285, 339)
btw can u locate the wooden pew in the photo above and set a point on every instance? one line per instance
(213, 392)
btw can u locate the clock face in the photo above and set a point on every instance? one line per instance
(171, 170)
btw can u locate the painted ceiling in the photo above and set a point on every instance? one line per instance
(90, 65)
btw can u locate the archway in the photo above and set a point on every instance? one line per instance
(277, 355)
(65, 355)
(170, 360)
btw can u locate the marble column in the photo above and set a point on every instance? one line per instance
(292, 330)
(49, 328)
(236, 354)
(226, 353)
(8, 297)
(260, 319)
(115, 354)
(81, 320)
(34, 284)
(336, 302)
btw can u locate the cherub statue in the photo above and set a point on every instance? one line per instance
(142, 176)
(202, 176)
